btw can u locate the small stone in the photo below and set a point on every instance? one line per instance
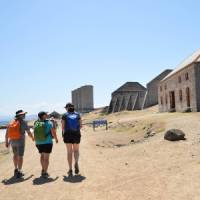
(152, 134)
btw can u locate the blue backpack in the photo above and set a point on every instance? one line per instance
(72, 122)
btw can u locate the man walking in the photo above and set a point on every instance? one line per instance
(15, 136)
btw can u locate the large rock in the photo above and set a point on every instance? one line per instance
(174, 135)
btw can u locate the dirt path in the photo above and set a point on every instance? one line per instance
(152, 170)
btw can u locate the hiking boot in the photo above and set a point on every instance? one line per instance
(76, 168)
(70, 172)
(19, 174)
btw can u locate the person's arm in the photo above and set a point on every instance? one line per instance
(54, 134)
(6, 139)
(81, 123)
(28, 131)
(63, 126)
(30, 135)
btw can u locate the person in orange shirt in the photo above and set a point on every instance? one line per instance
(15, 136)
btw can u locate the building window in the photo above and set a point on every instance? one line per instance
(179, 79)
(166, 99)
(180, 95)
(188, 96)
(165, 86)
(186, 76)
(161, 100)
(161, 88)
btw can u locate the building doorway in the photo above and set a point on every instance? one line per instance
(172, 100)
(188, 97)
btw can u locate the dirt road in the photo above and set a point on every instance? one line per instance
(151, 170)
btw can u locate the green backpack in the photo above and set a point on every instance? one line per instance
(39, 131)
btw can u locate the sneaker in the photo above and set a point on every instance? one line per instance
(16, 172)
(45, 175)
(70, 172)
(19, 174)
(76, 168)
(42, 172)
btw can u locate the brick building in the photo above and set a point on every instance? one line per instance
(180, 90)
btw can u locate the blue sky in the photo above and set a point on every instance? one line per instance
(49, 47)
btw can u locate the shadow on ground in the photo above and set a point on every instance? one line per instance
(74, 179)
(42, 181)
(14, 180)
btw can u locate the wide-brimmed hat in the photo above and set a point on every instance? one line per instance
(69, 105)
(20, 113)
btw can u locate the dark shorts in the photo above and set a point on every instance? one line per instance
(18, 150)
(44, 148)
(72, 137)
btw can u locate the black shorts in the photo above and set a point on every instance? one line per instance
(72, 137)
(45, 148)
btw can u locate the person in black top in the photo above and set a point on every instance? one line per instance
(71, 126)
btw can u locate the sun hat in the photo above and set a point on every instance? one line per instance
(20, 112)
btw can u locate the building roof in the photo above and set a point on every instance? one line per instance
(161, 75)
(195, 57)
(131, 87)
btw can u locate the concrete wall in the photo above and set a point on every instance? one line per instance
(152, 89)
(126, 101)
(172, 84)
(83, 98)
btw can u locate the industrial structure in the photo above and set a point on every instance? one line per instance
(83, 99)
(134, 96)
(129, 96)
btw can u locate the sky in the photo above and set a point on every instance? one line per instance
(50, 47)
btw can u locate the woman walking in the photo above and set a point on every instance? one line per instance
(71, 125)
(44, 132)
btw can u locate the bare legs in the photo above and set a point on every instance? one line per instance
(72, 149)
(18, 162)
(69, 155)
(44, 160)
(76, 152)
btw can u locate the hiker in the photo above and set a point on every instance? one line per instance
(15, 136)
(44, 134)
(71, 125)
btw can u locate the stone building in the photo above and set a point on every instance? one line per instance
(129, 96)
(151, 98)
(83, 99)
(180, 90)
(134, 96)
